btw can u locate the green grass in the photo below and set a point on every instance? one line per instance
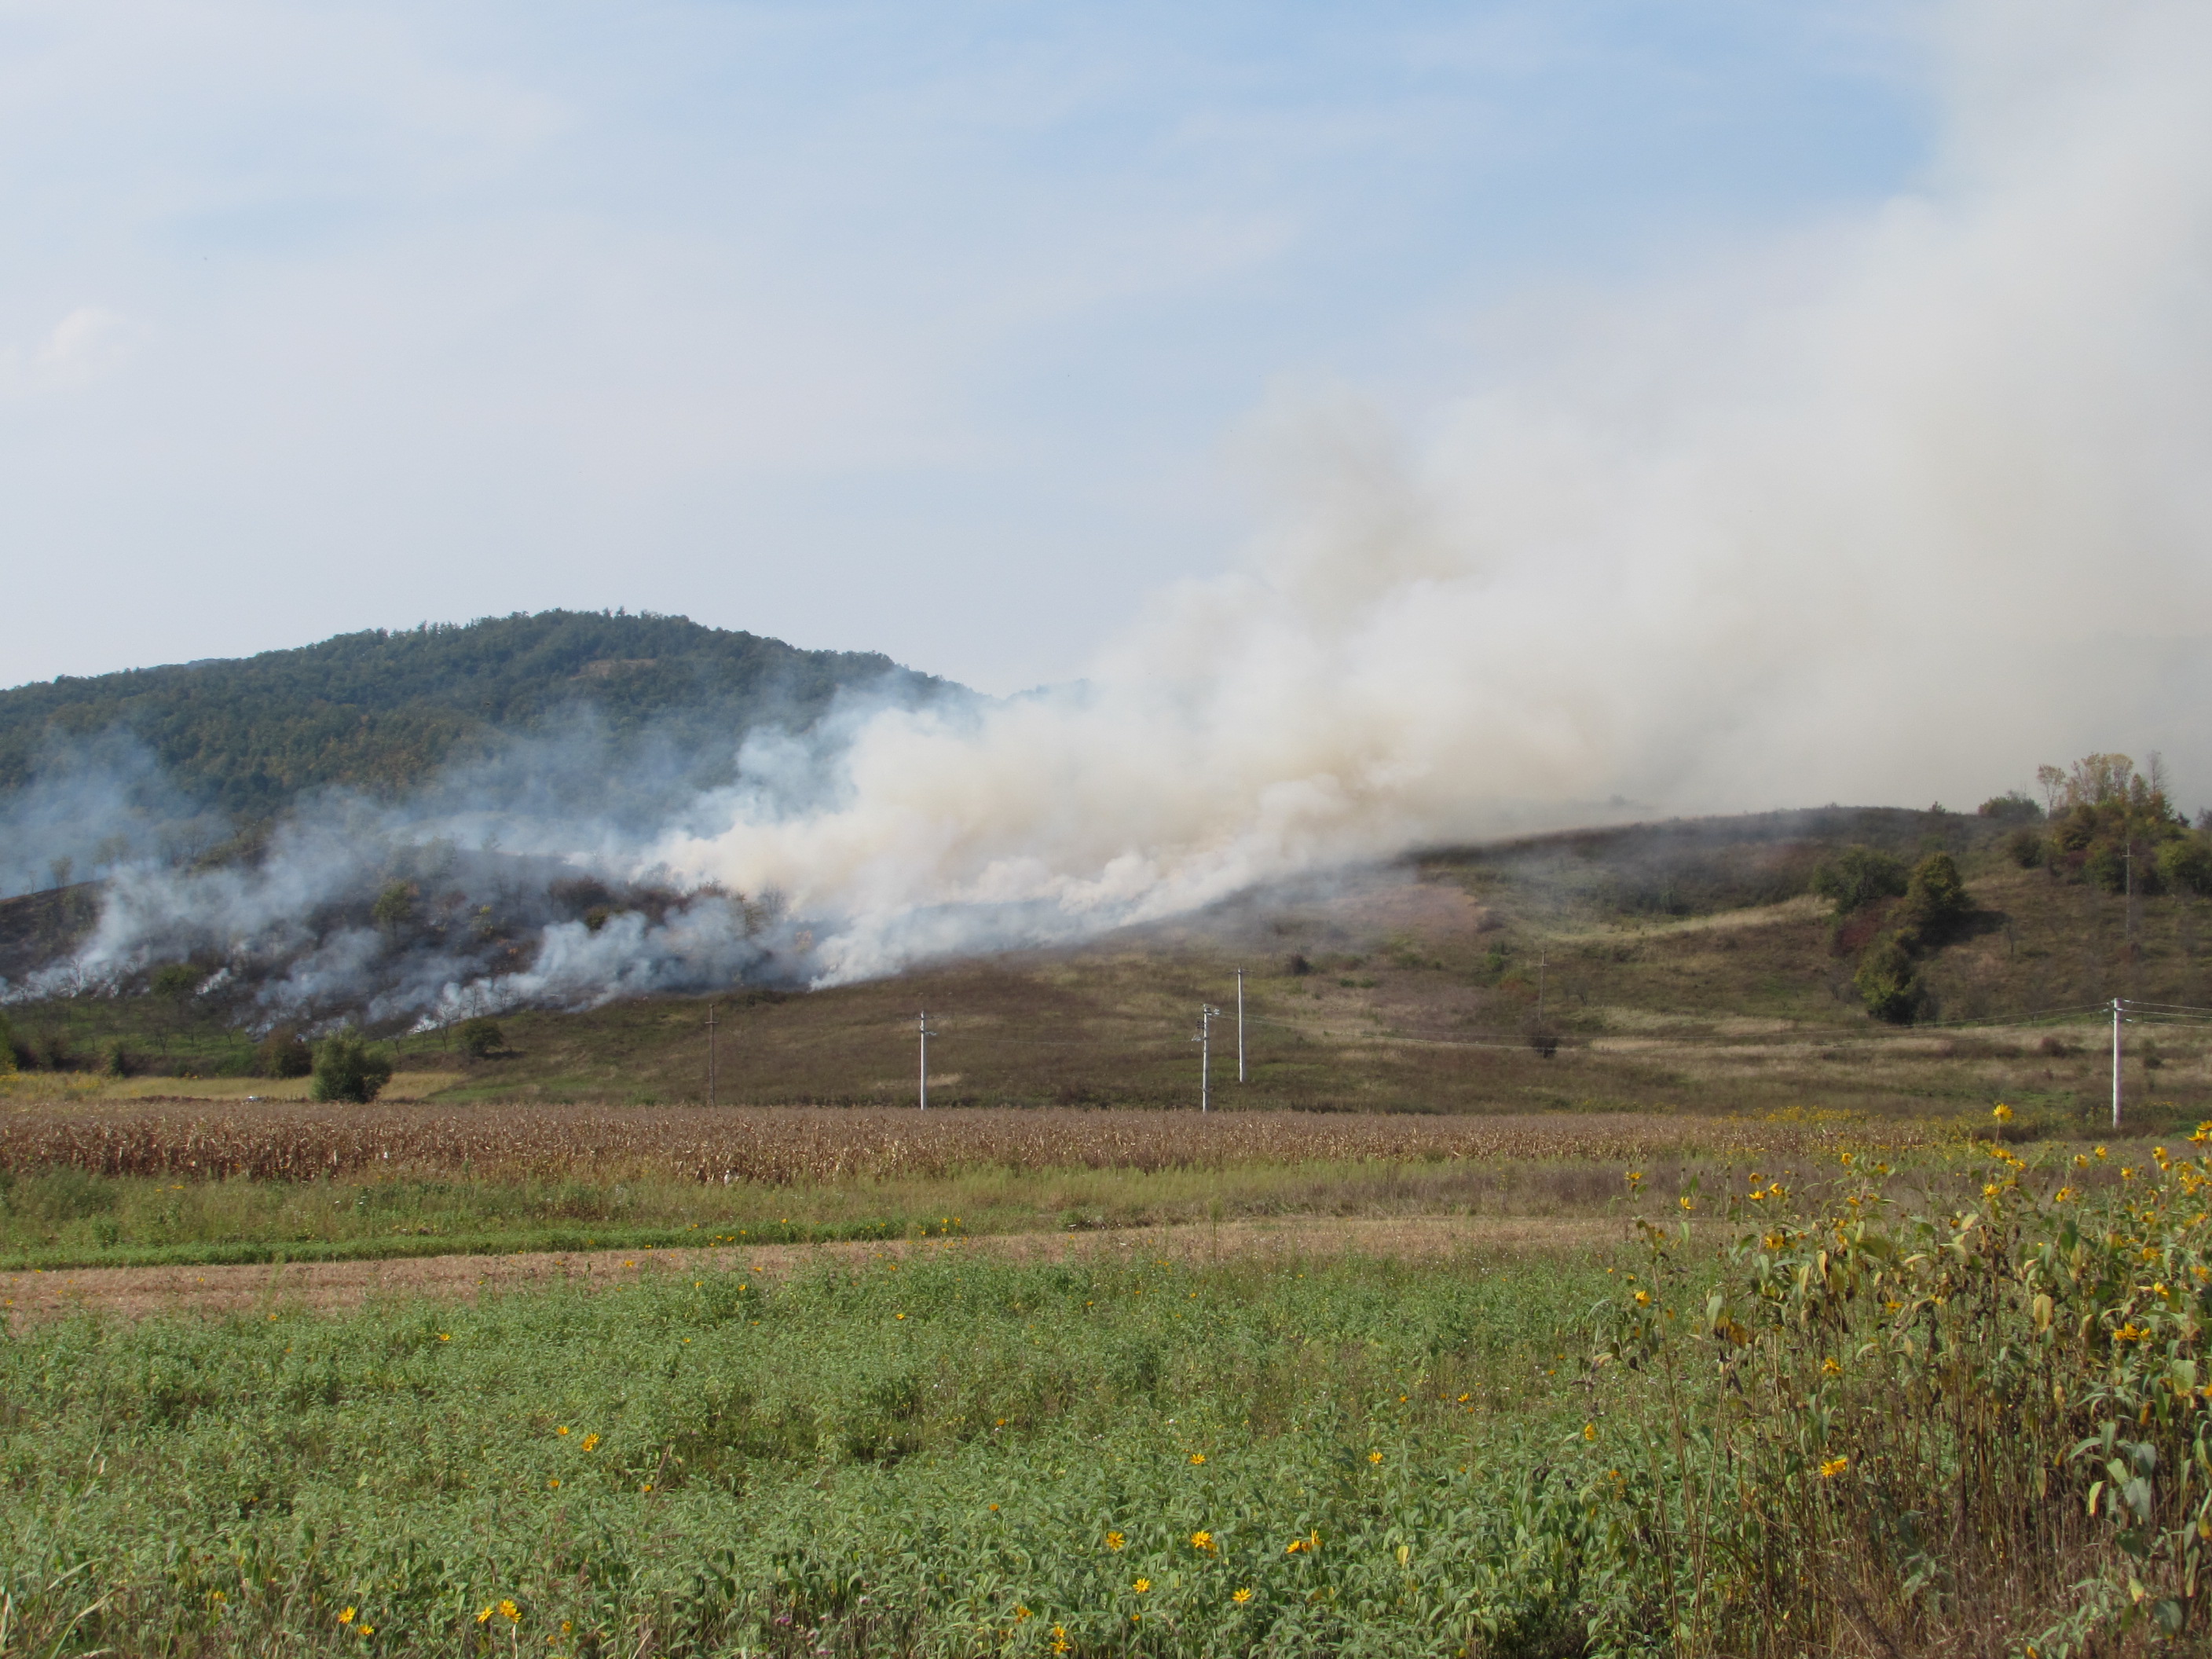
(66, 1217)
(884, 1460)
(1956, 1407)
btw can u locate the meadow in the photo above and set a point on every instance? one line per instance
(173, 1182)
(1965, 1416)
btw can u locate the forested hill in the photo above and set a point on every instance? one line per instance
(381, 711)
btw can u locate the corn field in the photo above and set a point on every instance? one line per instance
(288, 1141)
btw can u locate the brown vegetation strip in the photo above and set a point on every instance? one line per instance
(285, 1140)
(134, 1292)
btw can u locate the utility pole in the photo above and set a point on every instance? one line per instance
(1208, 1013)
(1240, 1024)
(2116, 1065)
(922, 1025)
(710, 1054)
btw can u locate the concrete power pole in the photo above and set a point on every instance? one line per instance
(1208, 1013)
(1240, 1024)
(922, 1025)
(2116, 1065)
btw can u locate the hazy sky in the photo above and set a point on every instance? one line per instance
(943, 331)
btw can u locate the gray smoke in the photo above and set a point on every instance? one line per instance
(522, 879)
(1889, 508)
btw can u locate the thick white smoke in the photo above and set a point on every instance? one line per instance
(1890, 508)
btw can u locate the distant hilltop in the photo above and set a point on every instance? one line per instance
(380, 711)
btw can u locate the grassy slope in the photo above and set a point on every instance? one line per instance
(1424, 983)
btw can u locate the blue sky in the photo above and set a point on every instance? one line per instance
(939, 331)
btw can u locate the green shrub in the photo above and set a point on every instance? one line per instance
(2011, 807)
(2073, 832)
(121, 1062)
(394, 908)
(480, 1038)
(176, 982)
(1858, 877)
(1935, 901)
(283, 1052)
(2187, 864)
(347, 1068)
(2026, 847)
(10, 1054)
(1889, 984)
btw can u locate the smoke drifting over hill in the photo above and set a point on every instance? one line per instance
(1891, 506)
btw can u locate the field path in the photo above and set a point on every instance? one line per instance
(134, 1291)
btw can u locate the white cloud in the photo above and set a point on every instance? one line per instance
(86, 346)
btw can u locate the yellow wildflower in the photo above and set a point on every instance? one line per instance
(509, 1611)
(1198, 1457)
(1830, 1368)
(1241, 1596)
(1201, 1540)
(1141, 1585)
(346, 1618)
(2002, 1113)
(1375, 1457)
(590, 1442)
(1115, 1540)
(1643, 1298)
(1834, 1467)
(1589, 1430)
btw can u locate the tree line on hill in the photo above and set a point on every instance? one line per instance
(2102, 822)
(192, 753)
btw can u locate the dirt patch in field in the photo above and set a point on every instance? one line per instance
(133, 1293)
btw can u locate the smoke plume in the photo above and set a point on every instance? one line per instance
(1890, 507)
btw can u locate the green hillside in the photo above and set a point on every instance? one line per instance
(380, 711)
